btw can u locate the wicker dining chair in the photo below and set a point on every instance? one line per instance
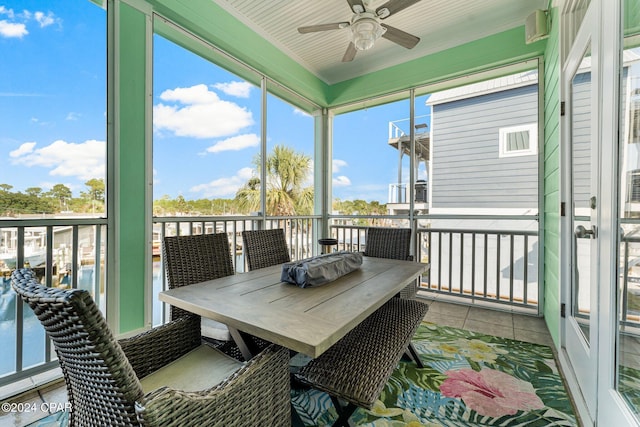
(391, 243)
(264, 248)
(162, 377)
(394, 243)
(195, 259)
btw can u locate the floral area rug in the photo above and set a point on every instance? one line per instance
(469, 379)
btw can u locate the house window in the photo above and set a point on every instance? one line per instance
(519, 140)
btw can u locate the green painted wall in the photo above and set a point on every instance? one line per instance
(130, 173)
(490, 52)
(210, 22)
(552, 179)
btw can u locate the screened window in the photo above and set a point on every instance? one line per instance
(519, 140)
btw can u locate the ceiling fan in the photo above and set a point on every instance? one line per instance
(366, 27)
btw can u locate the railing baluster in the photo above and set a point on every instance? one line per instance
(439, 261)
(498, 254)
(473, 263)
(430, 242)
(461, 263)
(625, 283)
(74, 257)
(49, 257)
(511, 265)
(525, 273)
(486, 264)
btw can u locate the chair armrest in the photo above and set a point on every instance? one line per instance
(256, 394)
(153, 349)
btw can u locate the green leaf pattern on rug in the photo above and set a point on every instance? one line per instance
(413, 396)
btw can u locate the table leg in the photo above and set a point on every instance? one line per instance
(414, 355)
(244, 342)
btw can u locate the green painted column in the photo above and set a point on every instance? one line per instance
(128, 236)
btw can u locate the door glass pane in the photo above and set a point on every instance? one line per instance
(628, 360)
(581, 192)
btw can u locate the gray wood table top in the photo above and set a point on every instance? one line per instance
(308, 320)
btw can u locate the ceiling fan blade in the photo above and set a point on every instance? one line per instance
(350, 53)
(393, 6)
(356, 6)
(400, 37)
(323, 27)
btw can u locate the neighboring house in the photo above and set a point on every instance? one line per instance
(484, 147)
(481, 159)
(481, 153)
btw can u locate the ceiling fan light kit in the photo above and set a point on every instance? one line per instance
(366, 30)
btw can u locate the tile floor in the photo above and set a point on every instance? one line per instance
(475, 318)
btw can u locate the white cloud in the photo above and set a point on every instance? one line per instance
(239, 89)
(45, 20)
(341, 181)
(235, 143)
(8, 12)
(299, 112)
(338, 164)
(198, 94)
(84, 161)
(202, 114)
(73, 116)
(16, 25)
(12, 29)
(25, 148)
(224, 187)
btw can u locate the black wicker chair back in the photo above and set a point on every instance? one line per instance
(102, 374)
(101, 384)
(393, 243)
(195, 259)
(264, 248)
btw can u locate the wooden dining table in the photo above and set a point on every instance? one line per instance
(306, 320)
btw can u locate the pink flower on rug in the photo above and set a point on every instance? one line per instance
(491, 393)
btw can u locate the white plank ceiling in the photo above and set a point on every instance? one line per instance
(440, 24)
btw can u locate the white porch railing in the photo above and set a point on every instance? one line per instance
(63, 252)
(494, 264)
(467, 262)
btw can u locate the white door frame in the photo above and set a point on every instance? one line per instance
(608, 408)
(612, 410)
(580, 357)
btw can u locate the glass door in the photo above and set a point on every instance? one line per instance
(627, 361)
(580, 326)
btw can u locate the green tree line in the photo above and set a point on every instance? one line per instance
(35, 200)
(289, 192)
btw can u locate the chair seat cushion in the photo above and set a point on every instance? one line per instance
(216, 330)
(202, 368)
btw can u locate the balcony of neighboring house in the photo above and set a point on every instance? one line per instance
(399, 199)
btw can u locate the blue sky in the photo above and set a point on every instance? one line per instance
(206, 120)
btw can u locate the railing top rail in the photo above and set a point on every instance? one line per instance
(631, 239)
(46, 222)
(476, 231)
(399, 217)
(441, 216)
(161, 219)
(480, 217)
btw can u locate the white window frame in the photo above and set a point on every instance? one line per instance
(532, 128)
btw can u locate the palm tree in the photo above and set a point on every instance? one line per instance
(287, 174)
